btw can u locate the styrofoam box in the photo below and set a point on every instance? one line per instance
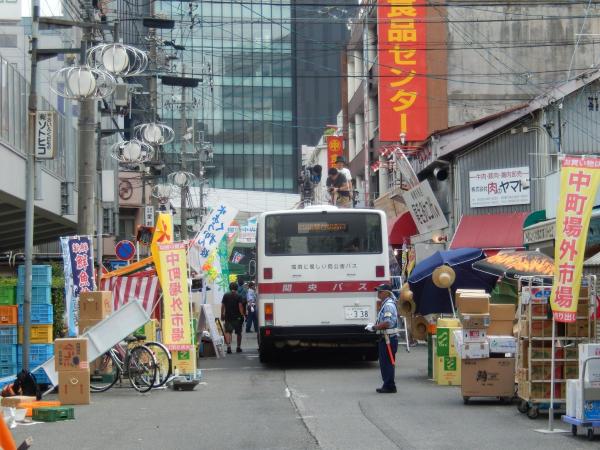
(593, 367)
(474, 335)
(475, 350)
(502, 344)
(458, 340)
(573, 397)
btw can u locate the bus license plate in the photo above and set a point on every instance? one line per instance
(354, 313)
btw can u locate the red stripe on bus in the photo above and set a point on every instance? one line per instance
(317, 286)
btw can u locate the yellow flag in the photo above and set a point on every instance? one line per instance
(176, 307)
(163, 234)
(579, 180)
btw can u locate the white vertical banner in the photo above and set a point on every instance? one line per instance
(210, 235)
(45, 133)
(424, 208)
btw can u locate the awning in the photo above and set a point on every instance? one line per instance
(401, 229)
(490, 231)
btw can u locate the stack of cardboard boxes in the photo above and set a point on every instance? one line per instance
(486, 346)
(71, 363)
(446, 368)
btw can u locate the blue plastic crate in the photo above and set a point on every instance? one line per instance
(7, 370)
(38, 354)
(40, 275)
(41, 377)
(8, 354)
(39, 294)
(41, 314)
(8, 334)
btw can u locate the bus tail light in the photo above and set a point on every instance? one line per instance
(268, 313)
(379, 271)
(267, 273)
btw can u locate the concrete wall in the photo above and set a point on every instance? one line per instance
(495, 63)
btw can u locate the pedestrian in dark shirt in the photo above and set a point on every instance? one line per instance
(233, 313)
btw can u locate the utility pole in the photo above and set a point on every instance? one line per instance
(87, 159)
(365, 54)
(30, 186)
(184, 141)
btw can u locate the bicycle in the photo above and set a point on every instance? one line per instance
(138, 362)
(164, 361)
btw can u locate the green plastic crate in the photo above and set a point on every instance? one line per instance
(53, 413)
(8, 295)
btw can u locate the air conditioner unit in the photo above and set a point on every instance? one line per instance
(121, 95)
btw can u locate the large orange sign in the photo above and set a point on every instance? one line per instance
(335, 148)
(403, 106)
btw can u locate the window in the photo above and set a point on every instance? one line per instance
(127, 228)
(323, 234)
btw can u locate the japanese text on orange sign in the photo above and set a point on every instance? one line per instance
(402, 69)
(579, 180)
(335, 148)
(173, 280)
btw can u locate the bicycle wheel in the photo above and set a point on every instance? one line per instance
(164, 362)
(104, 373)
(141, 368)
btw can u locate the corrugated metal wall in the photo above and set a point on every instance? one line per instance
(580, 116)
(514, 147)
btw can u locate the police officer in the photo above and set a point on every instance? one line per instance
(387, 327)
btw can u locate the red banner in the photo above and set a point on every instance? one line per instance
(403, 105)
(335, 148)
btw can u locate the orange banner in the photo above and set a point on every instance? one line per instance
(335, 148)
(403, 105)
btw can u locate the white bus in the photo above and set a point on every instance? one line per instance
(317, 269)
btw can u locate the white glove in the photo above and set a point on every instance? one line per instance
(369, 327)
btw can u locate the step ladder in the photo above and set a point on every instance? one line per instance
(403, 333)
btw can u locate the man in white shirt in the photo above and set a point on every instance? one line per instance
(340, 164)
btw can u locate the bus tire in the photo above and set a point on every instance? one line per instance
(265, 354)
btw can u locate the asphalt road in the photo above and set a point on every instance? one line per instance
(299, 404)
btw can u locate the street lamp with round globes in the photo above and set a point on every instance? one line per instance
(119, 59)
(180, 178)
(132, 151)
(154, 133)
(79, 82)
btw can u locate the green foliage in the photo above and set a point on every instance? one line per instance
(58, 299)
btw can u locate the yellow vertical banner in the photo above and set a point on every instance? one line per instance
(579, 179)
(163, 234)
(176, 310)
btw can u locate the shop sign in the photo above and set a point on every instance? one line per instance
(45, 135)
(403, 100)
(335, 148)
(424, 208)
(579, 181)
(149, 216)
(499, 187)
(541, 233)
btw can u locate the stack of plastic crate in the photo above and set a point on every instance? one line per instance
(42, 318)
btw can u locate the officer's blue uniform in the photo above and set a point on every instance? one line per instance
(388, 313)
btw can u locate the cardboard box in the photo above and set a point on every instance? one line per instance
(86, 324)
(475, 320)
(95, 305)
(539, 328)
(543, 372)
(490, 377)
(500, 328)
(578, 328)
(447, 371)
(13, 402)
(571, 370)
(502, 344)
(502, 312)
(445, 345)
(473, 302)
(539, 310)
(541, 391)
(592, 374)
(70, 354)
(74, 387)
(184, 361)
(474, 335)
(475, 350)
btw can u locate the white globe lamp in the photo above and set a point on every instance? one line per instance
(180, 179)
(132, 151)
(153, 133)
(81, 82)
(115, 59)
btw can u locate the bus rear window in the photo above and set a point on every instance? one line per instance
(322, 234)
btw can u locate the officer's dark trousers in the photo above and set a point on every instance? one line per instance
(386, 366)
